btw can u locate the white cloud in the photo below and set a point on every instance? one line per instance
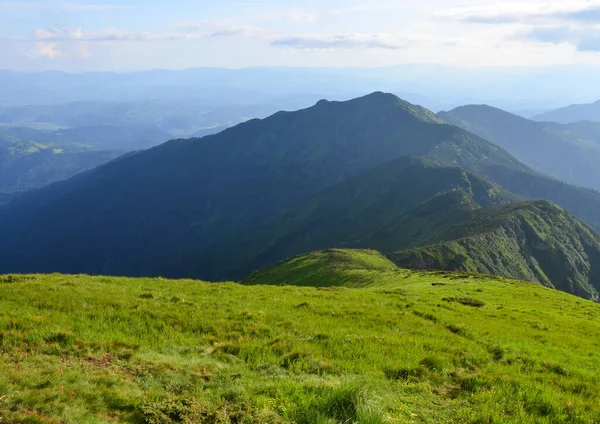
(79, 35)
(53, 50)
(62, 6)
(320, 32)
(338, 41)
(241, 32)
(61, 34)
(54, 38)
(526, 12)
(573, 22)
(585, 39)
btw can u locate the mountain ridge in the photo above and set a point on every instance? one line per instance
(145, 213)
(533, 241)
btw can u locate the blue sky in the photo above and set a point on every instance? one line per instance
(83, 35)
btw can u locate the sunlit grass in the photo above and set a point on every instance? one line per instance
(79, 349)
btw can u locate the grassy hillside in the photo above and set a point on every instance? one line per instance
(567, 152)
(351, 268)
(537, 242)
(418, 348)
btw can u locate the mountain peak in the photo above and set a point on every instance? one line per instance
(379, 99)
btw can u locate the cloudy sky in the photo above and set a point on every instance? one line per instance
(82, 35)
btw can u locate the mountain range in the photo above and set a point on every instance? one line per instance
(374, 172)
(569, 152)
(573, 113)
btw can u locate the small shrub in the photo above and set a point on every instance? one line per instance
(458, 329)
(345, 404)
(315, 366)
(497, 353)
(432, 363)
(426, 316)
(60, 337)
(192, 411)
(474, 384)
(403, 373)
(321, 337)
(11, 278)
(467, 301)
(556, 369)
(537, 404)
(228, 348)
(290, 359)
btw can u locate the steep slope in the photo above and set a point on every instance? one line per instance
(347, 213)
(136, 214)
(573, 113)
(535, 241)
(568, 152)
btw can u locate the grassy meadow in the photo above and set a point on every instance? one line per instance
(373, 344)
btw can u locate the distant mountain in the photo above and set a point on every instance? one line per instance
(434, 86)
(573, 113)
(121, 138)
(174, 118)
(147, 212)
(535, 241)
(25, 165)
(570, 152)
(531, 113)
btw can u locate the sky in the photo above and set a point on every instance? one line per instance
(98, 35)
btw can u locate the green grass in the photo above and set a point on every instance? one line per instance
(332, 267)
(408, 347)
